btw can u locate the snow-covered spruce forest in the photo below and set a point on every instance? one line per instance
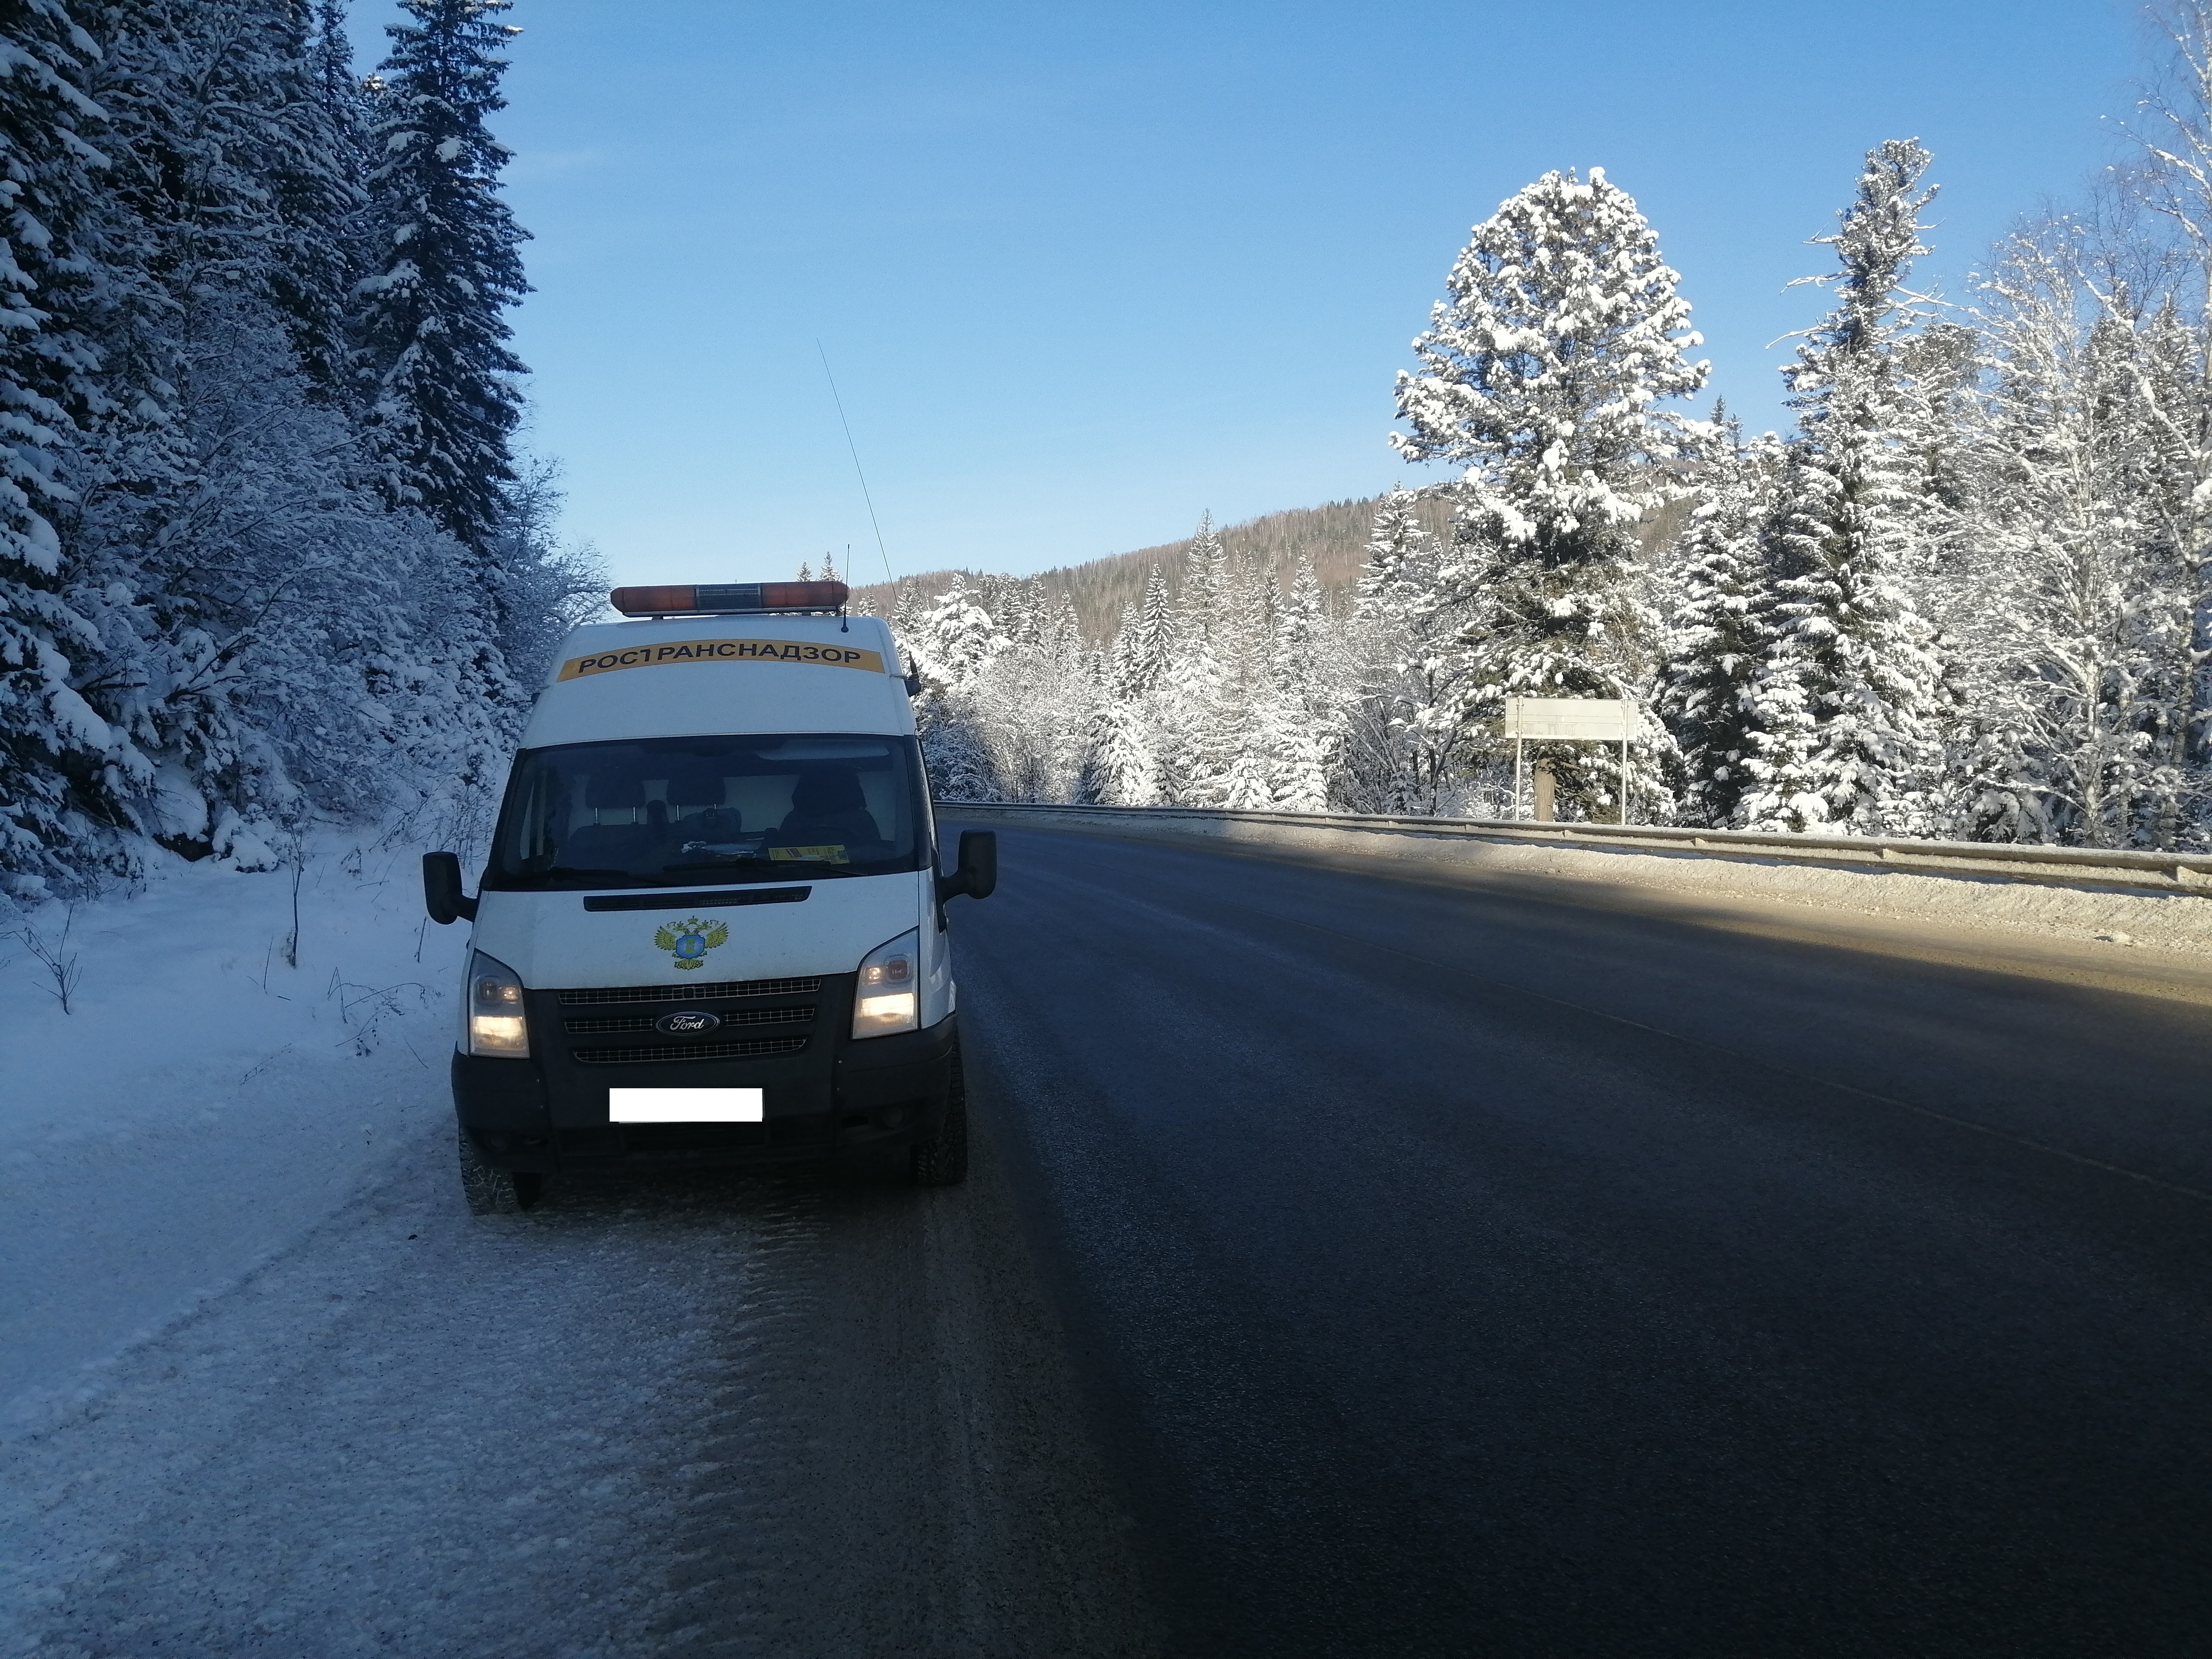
(1969, 595)
(268, 549)
(270, 553)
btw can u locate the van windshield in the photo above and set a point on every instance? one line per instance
(681, 811)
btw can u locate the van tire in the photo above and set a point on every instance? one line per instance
(492, 1191)
(942, 1160)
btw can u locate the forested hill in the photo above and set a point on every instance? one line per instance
(1333, 535)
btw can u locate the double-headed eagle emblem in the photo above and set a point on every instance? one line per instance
(690, 940)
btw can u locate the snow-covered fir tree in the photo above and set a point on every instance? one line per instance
(316, 181)
(443, 393)
(1541, 374)
(1715, 639)
(1122, 761)
(431, 313)
(1151, 646)
(2173, 405)
(1247, 724)
(1303, 718)
(1123, 767)
(1038, 705)
(1404, 746)
(1846, 707)
(952, 644)
(2174, 131)
(1192, 733)
(51, 743)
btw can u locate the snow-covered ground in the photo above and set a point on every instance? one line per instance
(267, 1388)
(204, 1103)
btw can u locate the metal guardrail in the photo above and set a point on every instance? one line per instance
(2061, 865)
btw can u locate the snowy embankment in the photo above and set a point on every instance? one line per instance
(269, 1389)
(2175, 921)
(203, 1101)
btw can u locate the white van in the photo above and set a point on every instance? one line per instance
(711, 927)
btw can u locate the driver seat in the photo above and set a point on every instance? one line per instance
(828, 808)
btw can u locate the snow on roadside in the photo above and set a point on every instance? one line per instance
(2175, 921)
(203, 1101)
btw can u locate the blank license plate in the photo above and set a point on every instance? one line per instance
(684, 1105)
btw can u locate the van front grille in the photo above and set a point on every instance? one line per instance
(790, 1045)
(714, 992)
(606, 1024)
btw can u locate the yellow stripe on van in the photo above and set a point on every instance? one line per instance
(653, 656)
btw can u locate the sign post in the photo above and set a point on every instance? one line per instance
(1570, 720)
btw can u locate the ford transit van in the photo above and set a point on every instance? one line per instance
(711, 925)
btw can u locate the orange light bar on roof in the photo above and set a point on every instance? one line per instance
(729, 598)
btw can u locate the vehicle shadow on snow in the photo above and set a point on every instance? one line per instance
(853, 1190)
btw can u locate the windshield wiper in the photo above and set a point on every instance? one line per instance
(795, 868)
(600, 876)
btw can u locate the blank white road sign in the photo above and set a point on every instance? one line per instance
(1607, 719)
(684, 1105)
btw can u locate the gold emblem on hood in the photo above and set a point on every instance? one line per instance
(690, 940)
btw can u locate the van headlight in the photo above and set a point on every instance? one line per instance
(887, 997)
(496, 1022)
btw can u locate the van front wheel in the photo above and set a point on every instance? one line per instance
(942, 1160)
(492, 1191)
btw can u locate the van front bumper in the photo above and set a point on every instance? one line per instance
(548, 1113)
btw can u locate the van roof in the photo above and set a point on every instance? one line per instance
(700, 675)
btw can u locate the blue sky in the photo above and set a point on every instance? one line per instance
(1084, 270)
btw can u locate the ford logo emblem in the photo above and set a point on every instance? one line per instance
(687, 1023)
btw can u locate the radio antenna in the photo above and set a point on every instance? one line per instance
(857, 472)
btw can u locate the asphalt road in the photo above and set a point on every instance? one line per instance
(1355, 1262)
(1517, 1269)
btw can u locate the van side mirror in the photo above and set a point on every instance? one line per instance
(979, 867)
(441, 888)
